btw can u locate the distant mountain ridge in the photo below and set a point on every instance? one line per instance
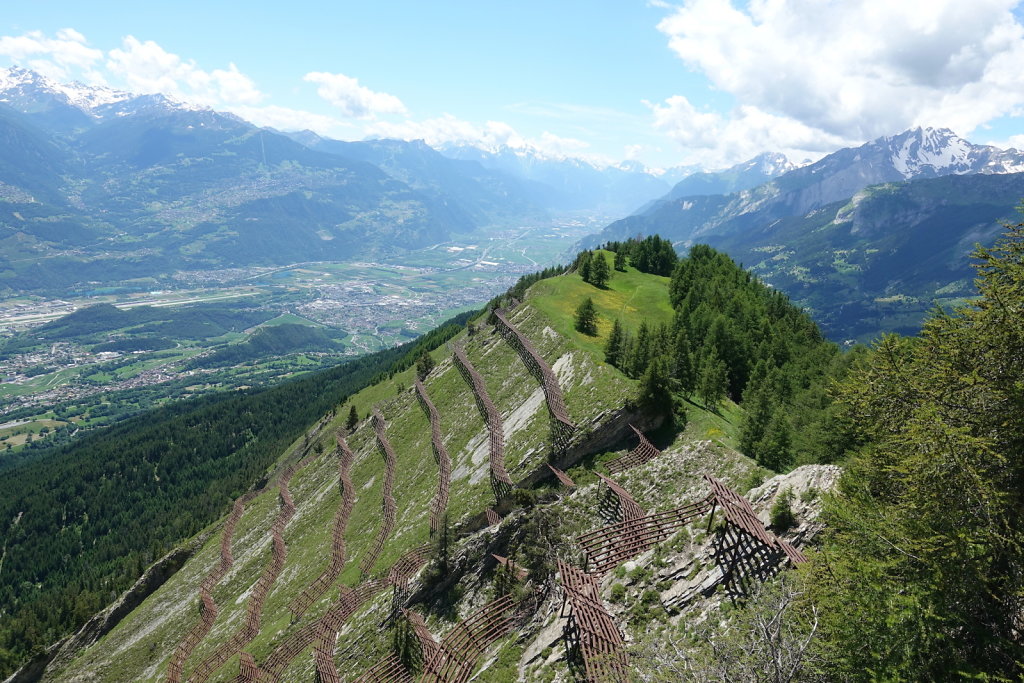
(878, 200)
(100, 185)
(743, 176)
(570, 183)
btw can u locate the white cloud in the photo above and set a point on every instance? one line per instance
(354, 100)
(810, 73)
(449, 130)
(287, 119)
(54, 57)
(712, 140)
(148, 68)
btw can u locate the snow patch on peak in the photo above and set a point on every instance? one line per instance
(938, 149)
(87, 98)
(94, 100)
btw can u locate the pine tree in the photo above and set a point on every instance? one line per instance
(620, 260)
(682, 362)
(640, 352)
(759, 410)
(583, 265)
(775, 450)
(655, 388)
(613, 348)
(599, 272)
(712, 379)
(353, 419)
(586, 317)
(924, 574)
(424, 364)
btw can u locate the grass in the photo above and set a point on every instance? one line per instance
(722, 427)
(632, 297)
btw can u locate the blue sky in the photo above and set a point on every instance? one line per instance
(709, 82)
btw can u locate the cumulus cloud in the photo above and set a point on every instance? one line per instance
(812, 72)
(146, 67)
(55, 57)
(448, 130)
(288, 119)
(354, 100)
(713, 140)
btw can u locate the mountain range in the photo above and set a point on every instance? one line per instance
(867, 238)
(99, 185)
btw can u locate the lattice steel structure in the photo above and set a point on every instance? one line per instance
(323, 656)
(492, 517)
(539, 368)
(428, 644)
(644, 451)
(627, 507)
(209, 609)
(741, 519)
(562, 477)
(388, 670)
(611, 545)
(390, 509)
(590, 628)
(520, 572)
(348, 602)
(444, 462)
(248, 672)
(455, 657)
(500, 480)
(254, 609)
(328, 576)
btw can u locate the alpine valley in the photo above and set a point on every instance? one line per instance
(483, 428)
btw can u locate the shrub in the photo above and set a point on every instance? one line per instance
(782, 512)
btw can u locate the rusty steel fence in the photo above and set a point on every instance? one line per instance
(348, 602)
(611, 545)
(457, 654)
(739, 514)
(591, 629)
(644, 452)
(209, 612)
(492, 418)
(444, 462)
(327, 577)
(537, 366)
(627, 507)
(390, 509)
(561, 476)
(254, 609)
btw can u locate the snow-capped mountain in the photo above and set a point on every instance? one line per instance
(693, 213)
(73, 105)
(742, 176)
(929, 152)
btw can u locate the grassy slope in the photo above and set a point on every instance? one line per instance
(141, 645)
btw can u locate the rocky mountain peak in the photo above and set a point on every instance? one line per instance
(31, 92)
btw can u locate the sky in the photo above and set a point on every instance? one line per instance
(705, 83)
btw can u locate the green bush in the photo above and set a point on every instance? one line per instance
(782, 511)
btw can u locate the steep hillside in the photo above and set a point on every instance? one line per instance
(347, 530)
